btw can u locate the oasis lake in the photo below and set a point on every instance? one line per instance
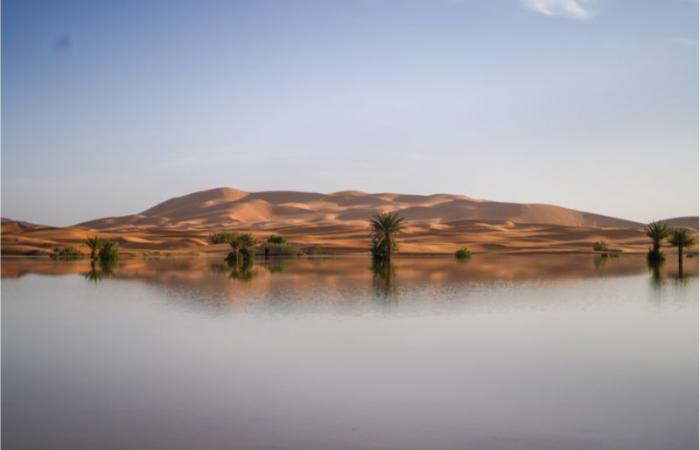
(510, 352)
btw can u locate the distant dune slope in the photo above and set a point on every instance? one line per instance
(690, 222)
(231, 207)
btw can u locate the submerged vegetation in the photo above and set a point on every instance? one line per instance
(384, 229)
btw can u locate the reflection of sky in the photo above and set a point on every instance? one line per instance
(110, 107)
(598, 362)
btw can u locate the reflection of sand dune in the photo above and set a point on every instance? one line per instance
(438, 223)
(479, 268)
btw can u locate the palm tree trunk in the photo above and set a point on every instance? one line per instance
(680, 259)
(389, 246)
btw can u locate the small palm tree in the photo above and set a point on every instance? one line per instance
(247, 241)
(109, 251)
(680, 238)
(657, 232)
(94, 243)
(385, 226)
(233, 240)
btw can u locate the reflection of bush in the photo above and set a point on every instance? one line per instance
(103, 269)
(277, 265)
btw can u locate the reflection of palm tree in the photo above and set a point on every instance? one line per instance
(100, 270)
(655, 267)
(383, 280)
(235, 270)
(241, 271)
(385, 227)
(680, 239)
(600, 261)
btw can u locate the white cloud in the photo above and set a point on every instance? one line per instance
(573, 9)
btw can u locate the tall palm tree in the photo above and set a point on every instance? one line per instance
(657, 232)
(680, 238)
(94, 243)
(385, 226)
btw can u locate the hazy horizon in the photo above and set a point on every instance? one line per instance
(109, 109)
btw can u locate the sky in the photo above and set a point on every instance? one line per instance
(111, 107)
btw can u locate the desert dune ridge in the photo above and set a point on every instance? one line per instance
(436, 223)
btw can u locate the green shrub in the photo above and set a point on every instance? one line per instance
(66, 253)
(284, 249)
(463, 253)
(276, 240)
(600, 246)
(222, 238)
(316, 250)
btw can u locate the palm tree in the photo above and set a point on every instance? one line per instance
(233, 240)
(94, 243)
(247, 242)
(680, 238)
(657, 232)
(385, 226)
(109, 251)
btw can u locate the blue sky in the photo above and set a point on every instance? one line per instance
(110, 107)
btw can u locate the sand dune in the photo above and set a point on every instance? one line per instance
(438, 223)
(227, 206)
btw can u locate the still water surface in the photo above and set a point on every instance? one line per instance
(538, 352)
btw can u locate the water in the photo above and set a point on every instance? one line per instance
(538, 352)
